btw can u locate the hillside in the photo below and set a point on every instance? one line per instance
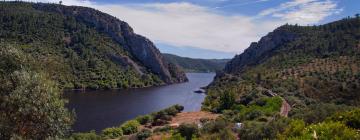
(316, 69)
(196, 65)
(81, 47)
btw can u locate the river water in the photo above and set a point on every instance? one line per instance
(96, 110)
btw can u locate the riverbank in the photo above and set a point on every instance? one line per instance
(99, 109)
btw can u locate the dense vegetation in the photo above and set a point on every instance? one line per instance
(196, 65)
(316, 69)
(30, 103)
(138, 128)
(76, 53)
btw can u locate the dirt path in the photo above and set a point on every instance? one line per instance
(192, 117)
(285, 107)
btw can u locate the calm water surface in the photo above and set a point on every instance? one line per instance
(96, 110)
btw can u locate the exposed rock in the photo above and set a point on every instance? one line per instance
(141, 48)
(260, 51)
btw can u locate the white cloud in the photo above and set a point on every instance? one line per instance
(185, 24)
(303, 11)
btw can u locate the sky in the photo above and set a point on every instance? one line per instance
(216, 28)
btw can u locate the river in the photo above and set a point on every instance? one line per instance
(96, 110)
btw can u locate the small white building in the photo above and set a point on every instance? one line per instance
(238, 125)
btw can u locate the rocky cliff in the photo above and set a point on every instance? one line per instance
(84, 48)
(260, 51)
(141, 48)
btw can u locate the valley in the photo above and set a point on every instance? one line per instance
(78, 73)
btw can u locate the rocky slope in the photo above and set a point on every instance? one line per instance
(85, 31)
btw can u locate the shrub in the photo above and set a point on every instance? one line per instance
(349, 118)
(329, 130)
(176, 137)
(322, 131)
(144, 119)
(145, 133)
(214, 126)
(188, 130)
(166, 128)
(172, 111)
(85, 136)
(113, 132)
(130, 127)
(295, 128)
(179, 107)
(31, 105)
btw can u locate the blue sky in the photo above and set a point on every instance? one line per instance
(216, 28)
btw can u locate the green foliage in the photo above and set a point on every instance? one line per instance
(227, 100)
(295, 128)
(176, 137)
(161, 117)
(314, 68)
(130, 127)
(85, 136)
(256, 110)
(166, 128)
(188, 131)
(143, 134)
(323, 131)
(31, 105)
(74, 52)
(316, 112)
(225, 134)
(144, 119)
(112, 132)
(197, 65)
(349, 118)
(217, 129)
(214, 126)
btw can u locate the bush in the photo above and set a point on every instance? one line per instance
(113, 132)
(31, 105)
(188, 130)
(85, 136)
(214, 126)
(145, 133)
(349, 118)
(130, 127)
(295, 128)
(326, 131)
(144, 119)
(166, 128)
(179, 107)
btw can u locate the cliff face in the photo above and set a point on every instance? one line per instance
(139, 47)
(260, 51)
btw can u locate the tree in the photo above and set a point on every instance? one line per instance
(30, 104)
(227, 100)
(188, 130)
(130, 127)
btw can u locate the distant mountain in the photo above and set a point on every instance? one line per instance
(196, 65)
(84, 48)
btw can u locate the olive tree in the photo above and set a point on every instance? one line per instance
(30, 104)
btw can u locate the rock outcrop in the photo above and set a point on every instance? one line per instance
(141, 48)
(260, 51)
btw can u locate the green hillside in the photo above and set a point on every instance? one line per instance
(315, 69)
(73, 46)
(197, 65)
